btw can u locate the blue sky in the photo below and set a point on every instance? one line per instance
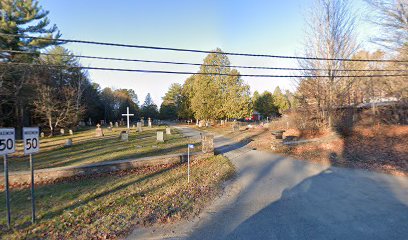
(257, 26)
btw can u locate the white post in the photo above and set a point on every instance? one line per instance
(188, 162)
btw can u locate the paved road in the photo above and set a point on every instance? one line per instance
(274, 197)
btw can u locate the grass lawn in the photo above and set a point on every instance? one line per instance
(90, 149)
(111, 205)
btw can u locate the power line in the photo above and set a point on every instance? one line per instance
(201, 51)
(201, 73)
(206, 65)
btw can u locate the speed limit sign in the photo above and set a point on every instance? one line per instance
(7, 141)
(31, 140)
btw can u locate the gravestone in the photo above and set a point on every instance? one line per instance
(207, 142)
(90, 122)
(62, 131)
(124, 136)
(116, 124)
(71, 132)
(82, 124)
(142, 121)
(222, 123)
(160, 137)
(168, 131)
(197, 122)
(207, 124)
(42, 134)
(149, 122)
(133, 126)
(68, 142)
(111, 124)
(201, 123)
(98, 131)
(139, 127)
(102, 122)
(110, 129)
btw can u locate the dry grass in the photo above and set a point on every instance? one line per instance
(89, 149)
(111, 205)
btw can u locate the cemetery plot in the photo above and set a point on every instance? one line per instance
(110, 205)
(87, 149)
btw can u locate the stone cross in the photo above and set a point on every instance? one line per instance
(98, 131)
(127, 116)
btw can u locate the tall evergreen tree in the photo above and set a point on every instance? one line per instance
(149, 108)
(21, 17)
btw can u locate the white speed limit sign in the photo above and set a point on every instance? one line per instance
(31, 140)
(7, 141)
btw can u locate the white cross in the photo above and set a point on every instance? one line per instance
(127, 116)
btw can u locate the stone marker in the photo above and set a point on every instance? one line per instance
(142, 121)
(222, 122)
(201, 123)
(149, 122)
(62, 131)
(124, 136)
(111, 124)
(207, 124)
(71, 132)
(160, 137)
(42, 134)
(110, 129)
(116, 124)
(207, 142)
(68, 142)
(168, 131)
(133, 126)
(139, 127)
(98, 131)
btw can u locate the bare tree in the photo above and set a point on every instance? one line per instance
(392, 17)
(330, 34)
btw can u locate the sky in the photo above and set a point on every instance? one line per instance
(257, 26)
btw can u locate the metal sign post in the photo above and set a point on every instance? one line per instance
(188, 161)
(7, 146)
(31, 145)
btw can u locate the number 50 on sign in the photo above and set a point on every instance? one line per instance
(31, 140)
(7, 141)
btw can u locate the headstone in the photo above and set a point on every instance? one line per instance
(142, 121)
(42, 134)
(168, 131)
(111, 124)
(71, 132)
(124, 136)
(68, 142)
(62, 131)
(139, 127)
(110, 129)
(102, 122)
(197, 122)
(90, 122)
(160, 137)
(121, 122)
(98, 131)
(207, 142)
(207, 124)
(201, 123)
(133, 126)
(149, 122)
(116, 124)
(82, 124)
(222, 123)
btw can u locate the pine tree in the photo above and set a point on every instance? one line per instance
(21, 17)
